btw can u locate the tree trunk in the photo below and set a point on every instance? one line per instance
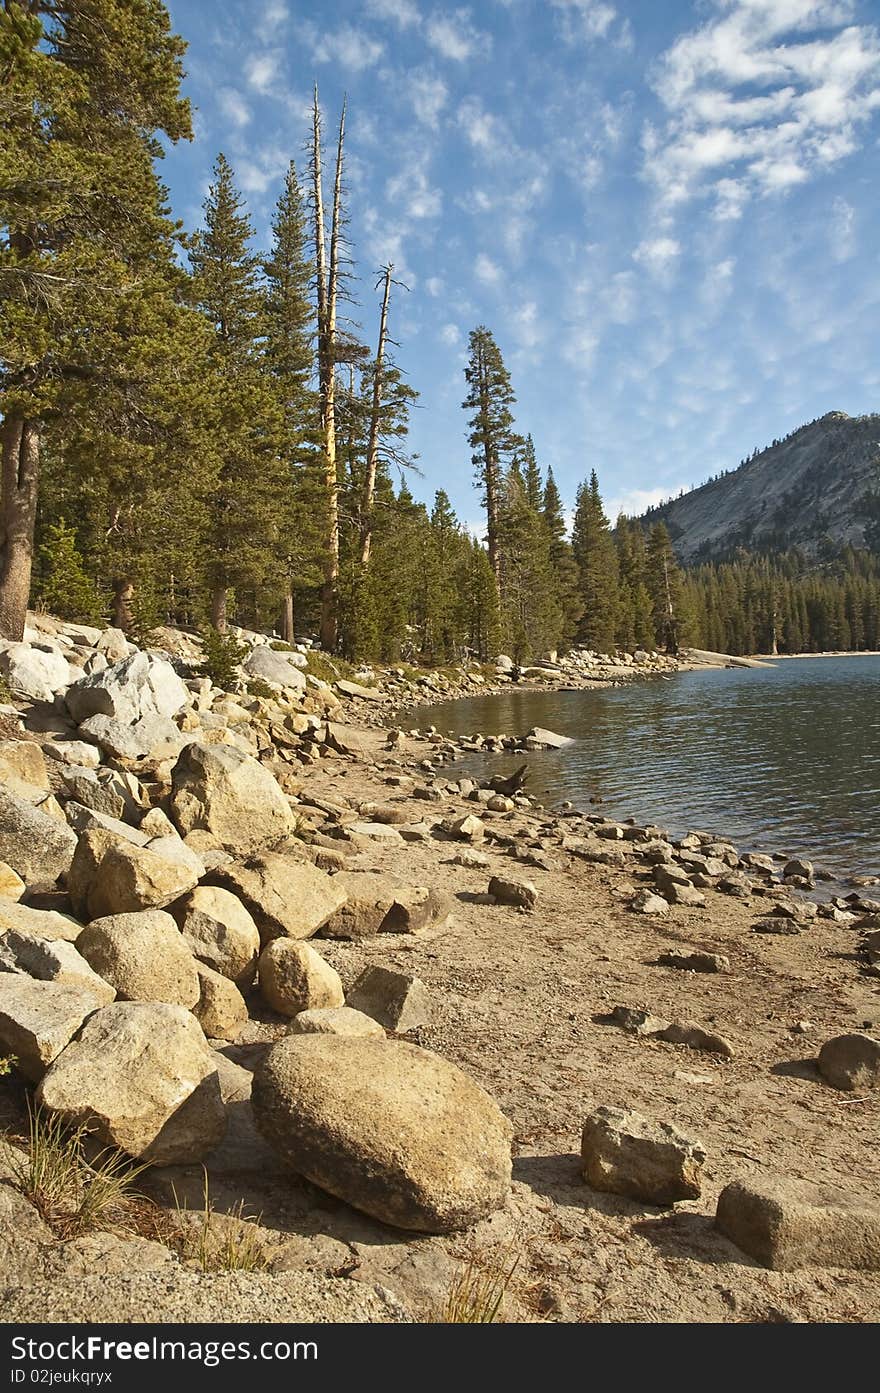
(123, 590)
(329, 595)
(286, 626)
(18, 512)
(373, 442)
(218, 608)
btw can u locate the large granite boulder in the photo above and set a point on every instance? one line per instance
(141, 685)
(393, 1130)
(218, 789)
(294, 978)
(142, 1077)
(286, 897)
(38, 847)
(278, 669)
(38, 1019)
(143, 956)
(220, 932)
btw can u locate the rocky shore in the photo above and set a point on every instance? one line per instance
(366, 1026)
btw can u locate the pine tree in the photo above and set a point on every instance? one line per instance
(666, 591)
(531, 474)
(243, 541)
(491, 437)
(86, 88)
(290, 358)
(596, 559)
(531, 617)
(566, 577)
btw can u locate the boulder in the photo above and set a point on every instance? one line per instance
(143, 956)
(141, 685)
(39, 848)
(294, 978)
(394, 1131)
(45, 923)
(221, 1010)
(38, 1019)
(851, 1062)
(378, 903)
(153, 737)
(141, 1077)
(468, 829)
(85, 819)
(35, 673)
(225, 792)
(519, 893)
(548, 739)
(347, 742)
(355, 689)
(336, 1020)
(287, 898)
(787, 1224)
(23, 770)
(55, 960)
(278, 669)
(85, 789)
(396, 1000)
(645, 902)
(220, 932)
(625, 1153)
(72, 752)
(12, 887)
(111, 875)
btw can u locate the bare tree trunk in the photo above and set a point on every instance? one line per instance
(286, 627)
(218, 608)
(373, 441)
(328, 286)
(18, 512)
(123, 590)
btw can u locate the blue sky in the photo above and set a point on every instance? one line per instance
(667, 211)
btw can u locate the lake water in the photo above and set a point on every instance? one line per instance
(784, 758)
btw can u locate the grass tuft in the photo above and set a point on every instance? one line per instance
(72, 1193)
(220, 1243)
(476, 1293)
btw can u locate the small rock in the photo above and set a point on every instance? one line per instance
(851, 1062)
(644, 902)
(687, 1033)
(396, 1000)
(221, 1010)
(637, 1022)
(468, 829)
(336, 1020)
(625, 1153)
(520, 893)
(695, 962)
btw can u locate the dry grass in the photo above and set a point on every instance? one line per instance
(72, 1192)
(476, 1292)
(219, 1243)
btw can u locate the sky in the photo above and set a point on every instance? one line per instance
(666, 211)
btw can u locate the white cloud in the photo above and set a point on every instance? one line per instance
(450, 334)
(843, 230)
(260, 168)
(410, 188)
(633, 502)
(275, 15)
(762, 97)
(404, 13)
(428, 96)
(260, 70)
(434, 286)
(233, 106)
(486, 132)
(486, 270)
(347, 46)
(657, 253)
(454, 36)
(587, 19)
(525, 321)
(620, 298)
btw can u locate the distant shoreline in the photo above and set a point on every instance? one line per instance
(786, 657)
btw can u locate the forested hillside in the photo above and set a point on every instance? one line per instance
(193, 432)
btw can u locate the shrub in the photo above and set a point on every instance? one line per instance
(222, 656)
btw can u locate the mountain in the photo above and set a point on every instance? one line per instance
(798, 491)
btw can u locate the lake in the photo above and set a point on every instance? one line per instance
(784, 758)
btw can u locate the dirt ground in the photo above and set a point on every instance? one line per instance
(520, 1001)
